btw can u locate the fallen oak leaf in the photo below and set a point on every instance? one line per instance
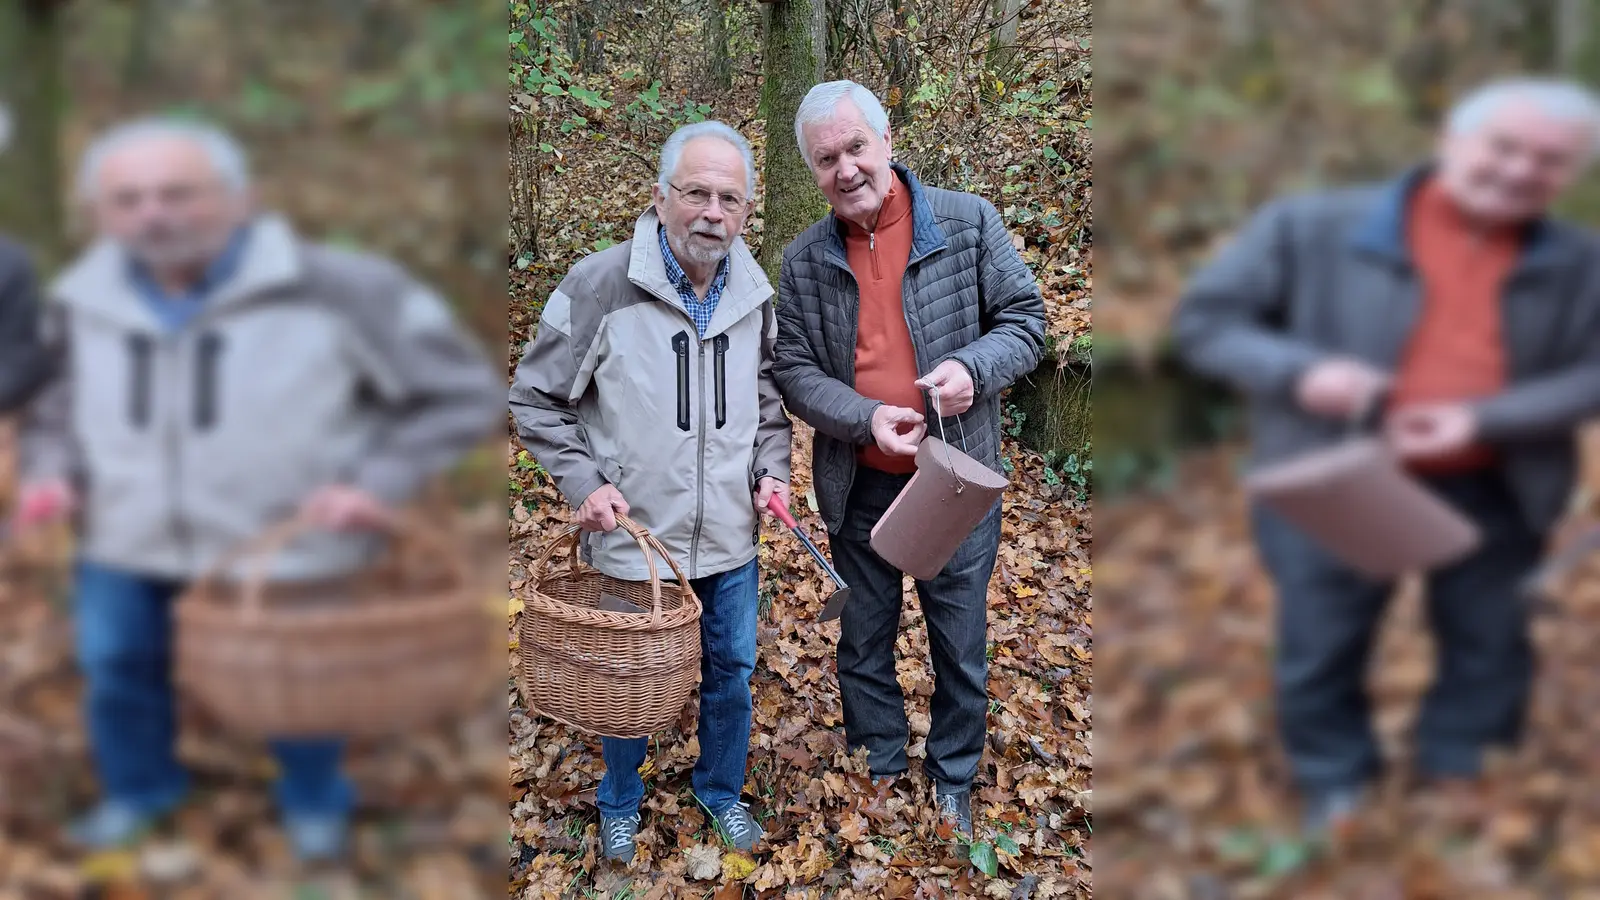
(704, 861)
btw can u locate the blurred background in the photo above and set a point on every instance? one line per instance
(986, 96)
(1213, 107)
(374, 124)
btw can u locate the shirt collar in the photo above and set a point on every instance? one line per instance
(680, 278)
(216, 272)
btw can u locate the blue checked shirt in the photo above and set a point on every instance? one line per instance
(701, 310)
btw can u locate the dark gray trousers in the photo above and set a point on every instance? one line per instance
(955, 608)
(1327, 619)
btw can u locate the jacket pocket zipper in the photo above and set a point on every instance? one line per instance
(680, 345)
(205, 386)
(140, 358)
(720, 342)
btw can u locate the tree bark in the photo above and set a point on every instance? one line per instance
(721, 66)
(902, 64)
(1575, 47)
(789, 56)
(31, 94)
(1002, 40)
(585, 39)
(1537, 40)
(819, 41)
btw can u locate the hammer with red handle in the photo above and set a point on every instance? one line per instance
(835, 604)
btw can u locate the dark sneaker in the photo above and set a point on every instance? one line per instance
(318, 838)
(739, 828)
(1331, 813)
(955, 807)
(110, 825)
(617, 837)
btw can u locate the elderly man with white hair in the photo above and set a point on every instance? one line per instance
(902, 289)
(647, 391)
(214, 374)
(1447, 308)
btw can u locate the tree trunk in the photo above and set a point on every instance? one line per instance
(819, 41)
(720, 65)
(585, 40)
(1576, 48)
(902, 65)
(1538, 35)
(792, 199)
(1002, 41)
(31, 94)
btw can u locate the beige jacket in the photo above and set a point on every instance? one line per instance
(616, 386)
(308, 366)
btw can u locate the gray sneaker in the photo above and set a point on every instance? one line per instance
(316, 838)
(739, 828)
(617, 837)
(955, 807)
(110, 825)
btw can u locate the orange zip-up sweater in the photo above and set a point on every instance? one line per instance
(1456, 351)
(886, 364)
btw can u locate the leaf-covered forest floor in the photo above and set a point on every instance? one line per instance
(1193, 795)
(829, 834)
(380, 132)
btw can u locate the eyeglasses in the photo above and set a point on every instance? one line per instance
(700, 198)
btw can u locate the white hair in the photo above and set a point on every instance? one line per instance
(822, 101)
(226, 156)
(1558, 98)
(672, 150)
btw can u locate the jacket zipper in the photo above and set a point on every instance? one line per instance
(872, 251)
(700, 475)
(205, 389)
(680, 346)
(720, 343)
(140, 358)
(175, 522)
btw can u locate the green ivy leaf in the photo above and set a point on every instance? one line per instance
(982, 856)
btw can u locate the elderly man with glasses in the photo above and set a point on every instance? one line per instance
(214, 371)
(647, 391)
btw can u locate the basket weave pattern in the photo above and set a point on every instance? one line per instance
(606, 671)
(372, 654)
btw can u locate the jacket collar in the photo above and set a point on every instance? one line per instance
(1381, 232)
(746, 288)
(926, 235)
(102, 280)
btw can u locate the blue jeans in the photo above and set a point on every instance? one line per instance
(124, 638)
(727, 660)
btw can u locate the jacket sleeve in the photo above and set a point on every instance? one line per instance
(437, 390)
(48, 449)
(1553, 405)
(1228, 320)
(820, 400)
(1011, 313)
(553, 373)
(775, 433)
(24, 360)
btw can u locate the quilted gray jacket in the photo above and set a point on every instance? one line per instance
(23, 363)
(968, 296)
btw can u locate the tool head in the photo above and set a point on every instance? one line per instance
(835, 605)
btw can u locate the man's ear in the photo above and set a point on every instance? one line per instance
(888, 145)
(658, 199)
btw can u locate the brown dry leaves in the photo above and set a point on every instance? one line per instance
(830, 833)
(1193, 793)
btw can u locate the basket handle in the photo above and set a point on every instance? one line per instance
(647, 543)
(401, 524)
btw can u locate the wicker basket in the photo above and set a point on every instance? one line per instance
(610, 657)
(376, 653)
